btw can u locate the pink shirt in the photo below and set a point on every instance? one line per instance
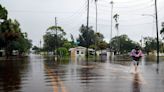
(133, 53)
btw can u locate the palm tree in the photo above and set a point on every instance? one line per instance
(116, 17)
(162, 32)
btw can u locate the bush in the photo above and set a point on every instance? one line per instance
(62, 52)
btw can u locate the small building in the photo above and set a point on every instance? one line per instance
(2, 53)
(104, 52)
(80, 51)
(15, 52)
(77, 51)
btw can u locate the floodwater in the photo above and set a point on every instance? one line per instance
(39, 74)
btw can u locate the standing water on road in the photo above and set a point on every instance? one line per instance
(39, 74)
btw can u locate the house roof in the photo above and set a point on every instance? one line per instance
(81, 48)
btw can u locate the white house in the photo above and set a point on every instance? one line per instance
(104, 52)
(80, 51)
(77, 51)
(2, 52)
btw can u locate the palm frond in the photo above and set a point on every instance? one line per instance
(162, 31)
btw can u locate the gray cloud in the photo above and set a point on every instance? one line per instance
(35, 16)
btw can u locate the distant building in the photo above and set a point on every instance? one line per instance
(80, 51)
(105, 52)
(2, 53)
(15, 52)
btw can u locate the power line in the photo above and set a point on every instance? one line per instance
(126, 24)
(42, 12)
(76, 14)
(127, 2)
(124, 9)
(72, 26)
(130, 4)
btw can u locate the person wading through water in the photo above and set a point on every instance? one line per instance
(136, 55)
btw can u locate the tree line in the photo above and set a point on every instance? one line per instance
(55, 41)
(11, 36)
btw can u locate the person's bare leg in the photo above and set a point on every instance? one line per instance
(135, 68)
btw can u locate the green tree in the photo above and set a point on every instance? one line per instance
(57, 30)
(54, 38)
(3, 17)
(36, 49)
(22, 45)
(73, 43)
(122, 43)
(2, 41)
(102, 45)
(62, 51)
(151, 44)
(49, 41)
(3, 13)
(11, 37)
(10, 31)
(67, 45)
(99, 37)
(88, 38)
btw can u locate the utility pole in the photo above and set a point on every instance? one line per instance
(111, 19)
(156, 16)
(87, 27)
(40, 45)
(96, 14)
(56, 46)
(111, 28)
(96, 30)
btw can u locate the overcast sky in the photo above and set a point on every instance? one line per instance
(35, 16)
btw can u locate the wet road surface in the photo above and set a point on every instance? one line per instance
(38, 74)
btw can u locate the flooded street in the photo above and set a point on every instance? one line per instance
(38, 74)
(26, 75)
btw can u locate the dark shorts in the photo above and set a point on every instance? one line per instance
(135, 62)
(136, 58)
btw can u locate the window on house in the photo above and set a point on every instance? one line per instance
(77, 52)
(81, 52)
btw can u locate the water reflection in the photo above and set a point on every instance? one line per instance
(157, 69)
(136, 84)
(74, 74)
(12, 74)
